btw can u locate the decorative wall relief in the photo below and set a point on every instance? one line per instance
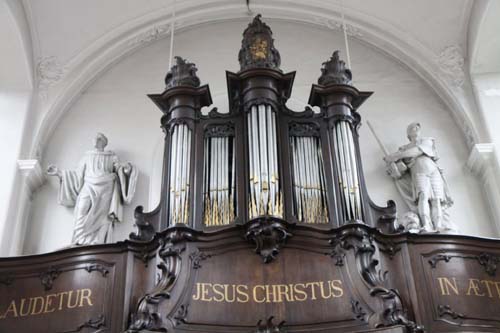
(451, 62)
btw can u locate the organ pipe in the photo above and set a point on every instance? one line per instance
(308, 179)
(219, 181)
(180, 167)
(347, 170)
(265, 192)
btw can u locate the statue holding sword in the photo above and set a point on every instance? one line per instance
(420, 181)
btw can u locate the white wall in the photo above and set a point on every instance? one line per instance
(116, 104)
(15, 100)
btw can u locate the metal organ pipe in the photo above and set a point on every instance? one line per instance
(219, 180)
(265, 192)
(180, 170)
(347, 167)
(308, 178)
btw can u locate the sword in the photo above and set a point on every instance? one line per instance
(395, 169)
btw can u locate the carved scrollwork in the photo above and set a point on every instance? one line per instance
(440, 257)
(358, 239)
(487, 260)
(146, 317)
(268, 235)
(197, 257)
(145, 231)
(99, 322)
(358, 311)
(172, 244)
(389, 248)
(337, 252)
(47, 278)
(97, 267)
(219, 130)
(269, 326)
(446, 310)
(181, 314)
(304, 129)
(6, 280)
(93, 323)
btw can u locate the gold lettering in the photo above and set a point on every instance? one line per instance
(254, 292)
(61, 299)
(488, 287)
(77, 296)
(83, 296)
(299, 291)
(227, 292)
(313, 291)
(23, 313)
(48, 303)
(322, 289)
(12, 308)
(218, 290)
(497, 286)
(197, 295)
(204, 292)
(265, 293)
(269, 293)
(283, 291)
(445, 285)
(337, 286)
(34, 310)
(474, 286)
(242, 291)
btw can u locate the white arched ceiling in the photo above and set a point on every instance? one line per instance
(74, 52)
(16, 67)
(484, 43)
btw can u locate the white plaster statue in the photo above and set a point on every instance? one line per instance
(421, 183)
(98, 189)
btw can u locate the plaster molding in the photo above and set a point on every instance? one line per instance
(153, 34)
(452, 64)
(480, 158)
(484, 164)
(103, 53)
(338, 26)
(32, 175)
(49, 71)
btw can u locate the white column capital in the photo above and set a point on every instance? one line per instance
(480, 158)
(32, 175)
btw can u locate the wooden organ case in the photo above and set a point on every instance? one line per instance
(264, 225)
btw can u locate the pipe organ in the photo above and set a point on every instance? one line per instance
(261, 160)
(264, 225)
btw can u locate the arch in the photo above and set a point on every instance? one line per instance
(110, 48)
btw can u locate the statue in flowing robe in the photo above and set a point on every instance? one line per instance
(97, 190)
(421, 183)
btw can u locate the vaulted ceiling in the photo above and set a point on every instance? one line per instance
(66, 28)
(74, 41)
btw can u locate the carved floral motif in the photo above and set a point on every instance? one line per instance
(451, 62)
(49, 71)
(336, 25)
